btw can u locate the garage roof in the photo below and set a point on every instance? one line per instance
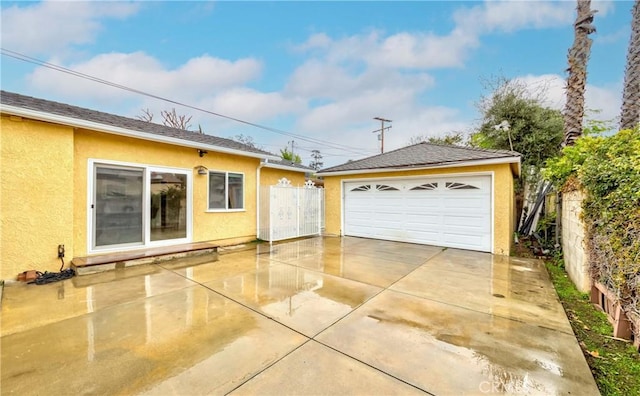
(423, 156)
(46, 110)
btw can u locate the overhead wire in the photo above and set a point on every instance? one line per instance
(62, 69)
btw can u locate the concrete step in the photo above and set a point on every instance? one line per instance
(112, 261)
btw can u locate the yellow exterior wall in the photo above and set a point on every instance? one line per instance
(207, 226)
(503, 215)
(36, 195)
(270, 177)
(45, 182)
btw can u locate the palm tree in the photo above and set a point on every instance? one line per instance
(630, 115)
(577, 80)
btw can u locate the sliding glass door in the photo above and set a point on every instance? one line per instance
(139, 206)
(168, 206)
(119, 194)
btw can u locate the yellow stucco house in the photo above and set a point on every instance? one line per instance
(440, 195)
(100, 183)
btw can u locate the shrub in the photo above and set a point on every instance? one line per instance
(607, 169)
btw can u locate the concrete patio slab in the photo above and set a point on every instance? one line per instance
(375, 271)
(324, 315)
(303, 300)
(447, 350)
(29, 306)
(513, 288)
(227, 265)
(191, 341)
(315, 369)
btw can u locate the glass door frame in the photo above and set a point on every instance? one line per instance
(147, 169)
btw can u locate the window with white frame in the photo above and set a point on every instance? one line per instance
(226, 191)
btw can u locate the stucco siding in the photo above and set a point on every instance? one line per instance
(503, 214)
(36, 195)
(46, 176)
(270, 177)
(207, 226)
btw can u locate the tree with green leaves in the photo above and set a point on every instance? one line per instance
(514, 118)
(290, 156)
(450, 139)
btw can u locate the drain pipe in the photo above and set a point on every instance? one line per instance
(263, 163)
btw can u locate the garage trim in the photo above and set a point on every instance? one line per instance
(493, 161)
(491, 175)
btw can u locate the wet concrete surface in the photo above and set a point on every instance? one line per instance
(315, 316)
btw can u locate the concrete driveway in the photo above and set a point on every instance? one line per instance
(317, 316)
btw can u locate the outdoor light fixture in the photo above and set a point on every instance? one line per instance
(202, 170)
(201, 153)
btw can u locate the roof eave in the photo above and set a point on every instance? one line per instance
(492, 161)
(96, 126)
(286, 167)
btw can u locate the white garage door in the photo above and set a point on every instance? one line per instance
(444, 211)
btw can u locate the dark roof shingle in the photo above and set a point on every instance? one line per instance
(421, 155)
(79, 113)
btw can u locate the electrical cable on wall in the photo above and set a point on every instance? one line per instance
(43, 278)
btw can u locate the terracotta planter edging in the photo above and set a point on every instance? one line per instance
(603, 298)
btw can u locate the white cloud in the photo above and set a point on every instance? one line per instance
(318, 40)
(198, 77)
(427, 50)
(607, 100)
(401, 50)
(604, 100)
(424, 51)
(333, 95)
(510, 16)
(52, 26)
(251, 105)
(321, 80)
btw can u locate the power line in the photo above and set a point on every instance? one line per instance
(28, 59)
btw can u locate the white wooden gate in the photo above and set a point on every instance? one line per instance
(289, 212)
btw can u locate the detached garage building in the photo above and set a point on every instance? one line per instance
(449, 196)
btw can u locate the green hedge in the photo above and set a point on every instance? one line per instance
(607, 169)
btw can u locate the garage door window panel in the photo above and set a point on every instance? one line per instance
(460, 186)
(425, 187)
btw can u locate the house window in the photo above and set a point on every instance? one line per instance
(226, 191)
(364, 187)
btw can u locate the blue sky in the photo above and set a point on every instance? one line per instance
(319, 70)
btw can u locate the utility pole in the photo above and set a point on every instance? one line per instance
(381, 130)
(292, 148)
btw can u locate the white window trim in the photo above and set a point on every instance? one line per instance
(226, 192)
(146, 243)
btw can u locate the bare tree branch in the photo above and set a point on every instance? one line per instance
(172, 119)
(146, 116)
